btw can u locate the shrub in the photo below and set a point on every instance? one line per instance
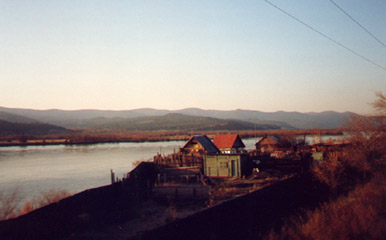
(8, 204)
(363, 157)
(44, 199)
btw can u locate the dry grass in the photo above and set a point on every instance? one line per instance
(9, 202)
(44, 199)
(359, 215)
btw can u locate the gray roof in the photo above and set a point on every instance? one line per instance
(206, 143)
(274, 138)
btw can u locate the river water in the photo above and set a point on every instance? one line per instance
(32, 170)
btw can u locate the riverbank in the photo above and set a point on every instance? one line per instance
(88, 137)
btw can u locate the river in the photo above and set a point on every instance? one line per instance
(32, 170)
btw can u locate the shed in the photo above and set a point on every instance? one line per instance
(229, 143)
(226, 165)
(268, 144)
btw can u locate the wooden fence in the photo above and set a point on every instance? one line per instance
(179, 160)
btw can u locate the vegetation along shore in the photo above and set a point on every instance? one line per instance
(108, 136)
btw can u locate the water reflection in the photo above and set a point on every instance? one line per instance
(35, 169)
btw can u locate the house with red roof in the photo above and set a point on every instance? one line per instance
(231, 162)
(229, 143)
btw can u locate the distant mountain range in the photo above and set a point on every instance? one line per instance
(185, 119)
(173, 121)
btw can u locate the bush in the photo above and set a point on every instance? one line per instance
(362, 158)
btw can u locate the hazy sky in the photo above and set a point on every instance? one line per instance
(177, 54)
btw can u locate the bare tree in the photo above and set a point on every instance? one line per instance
(380, 103)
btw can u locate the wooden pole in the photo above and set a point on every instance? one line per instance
(112, 176)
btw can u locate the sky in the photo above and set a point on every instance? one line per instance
(223, 55)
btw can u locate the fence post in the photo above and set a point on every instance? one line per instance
(112, 176)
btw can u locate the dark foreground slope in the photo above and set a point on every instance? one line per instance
(247, 217)
(241, 218)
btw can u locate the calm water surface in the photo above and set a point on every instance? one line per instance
(35, 169)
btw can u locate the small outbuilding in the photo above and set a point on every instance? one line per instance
(226, 165)
(268, 144)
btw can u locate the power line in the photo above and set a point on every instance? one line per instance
(326, 36)
(360, 25)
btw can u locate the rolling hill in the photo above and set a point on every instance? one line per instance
(286, 120)
(9, 117)
(13, 124)
(35, 129)
(174, 121)
(101, 118)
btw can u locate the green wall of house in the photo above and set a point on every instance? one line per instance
(225, 165)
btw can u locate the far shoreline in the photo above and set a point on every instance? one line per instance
(66, 143)
(139, 137)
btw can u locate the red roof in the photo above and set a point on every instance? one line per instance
(226, 141)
